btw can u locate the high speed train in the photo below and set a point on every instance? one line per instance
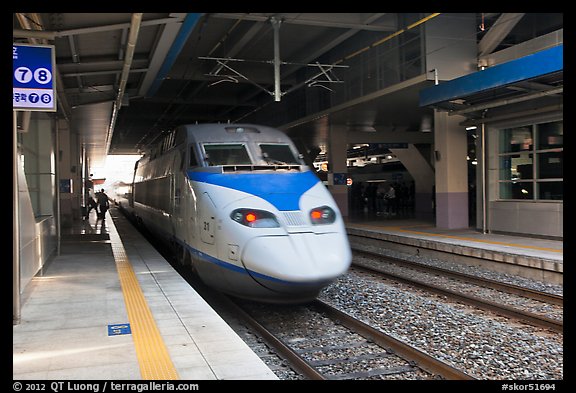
(243, 211)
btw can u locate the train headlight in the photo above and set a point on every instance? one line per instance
(322, 215)
(255, 218)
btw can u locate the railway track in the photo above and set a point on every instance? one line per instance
(337, 346)
(319, 342)
(535, 306)
(526, 268)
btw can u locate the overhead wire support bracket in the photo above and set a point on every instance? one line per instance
(231, 59)
(223, 64)
(223, 78)
(325, 70)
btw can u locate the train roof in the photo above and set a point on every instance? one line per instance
(202, 133)
(214, 133)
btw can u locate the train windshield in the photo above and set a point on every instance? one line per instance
(226, 154)
(278, 154)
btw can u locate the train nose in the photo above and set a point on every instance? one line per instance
(300, 261)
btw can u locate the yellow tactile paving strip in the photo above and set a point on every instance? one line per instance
(153, 357)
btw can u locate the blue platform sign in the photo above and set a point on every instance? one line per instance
(340, 179)
(34, 87)
(119, 329)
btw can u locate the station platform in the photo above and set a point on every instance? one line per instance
(110, 307)
(545, 256)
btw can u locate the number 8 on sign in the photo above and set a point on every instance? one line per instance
(42, 75)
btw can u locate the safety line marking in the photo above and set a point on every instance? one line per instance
(153, 356)
(476, 240)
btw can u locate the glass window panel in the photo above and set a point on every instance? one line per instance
(278, 154)
(516, 190)
(516, 167)
(516, 139)
(551, 190)
(551, 135)
(550, 165)
(226, 154)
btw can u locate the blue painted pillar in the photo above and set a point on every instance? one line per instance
(451, 169)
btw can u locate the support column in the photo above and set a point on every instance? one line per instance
(423, 174)
(451, 172)
(67, 162)
(337, 154)
(16, 300)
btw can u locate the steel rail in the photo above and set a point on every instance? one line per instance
(412, 355)
(295, 360)
(219, 300)
(405, 351)
(498, 285)
(500, 309)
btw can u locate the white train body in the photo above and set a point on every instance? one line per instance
(246, 213)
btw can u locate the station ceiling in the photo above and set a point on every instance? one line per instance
(123, 78)
(164, 68)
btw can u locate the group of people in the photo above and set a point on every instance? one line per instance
(382, 198)
(98, 202)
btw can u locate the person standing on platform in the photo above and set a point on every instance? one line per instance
(391, 200)
(103, 203)
(380, 194)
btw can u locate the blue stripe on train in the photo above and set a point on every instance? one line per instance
(283, 190)
(242, 270)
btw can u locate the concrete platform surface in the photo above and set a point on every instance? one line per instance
(92, 316)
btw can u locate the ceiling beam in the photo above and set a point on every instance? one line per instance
(130, 47)
(501, 28)
(172, 54)
(52, 35)
(508, 101)
(34, 34)
(220, 101)
(160, 51)
(99, 63)
(96, 73)
(118, 26)
(310, 22)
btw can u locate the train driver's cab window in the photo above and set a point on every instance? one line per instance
(278, 154)
(226, 154)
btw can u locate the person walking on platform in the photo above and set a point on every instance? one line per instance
(92, 203)
(103, 203)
